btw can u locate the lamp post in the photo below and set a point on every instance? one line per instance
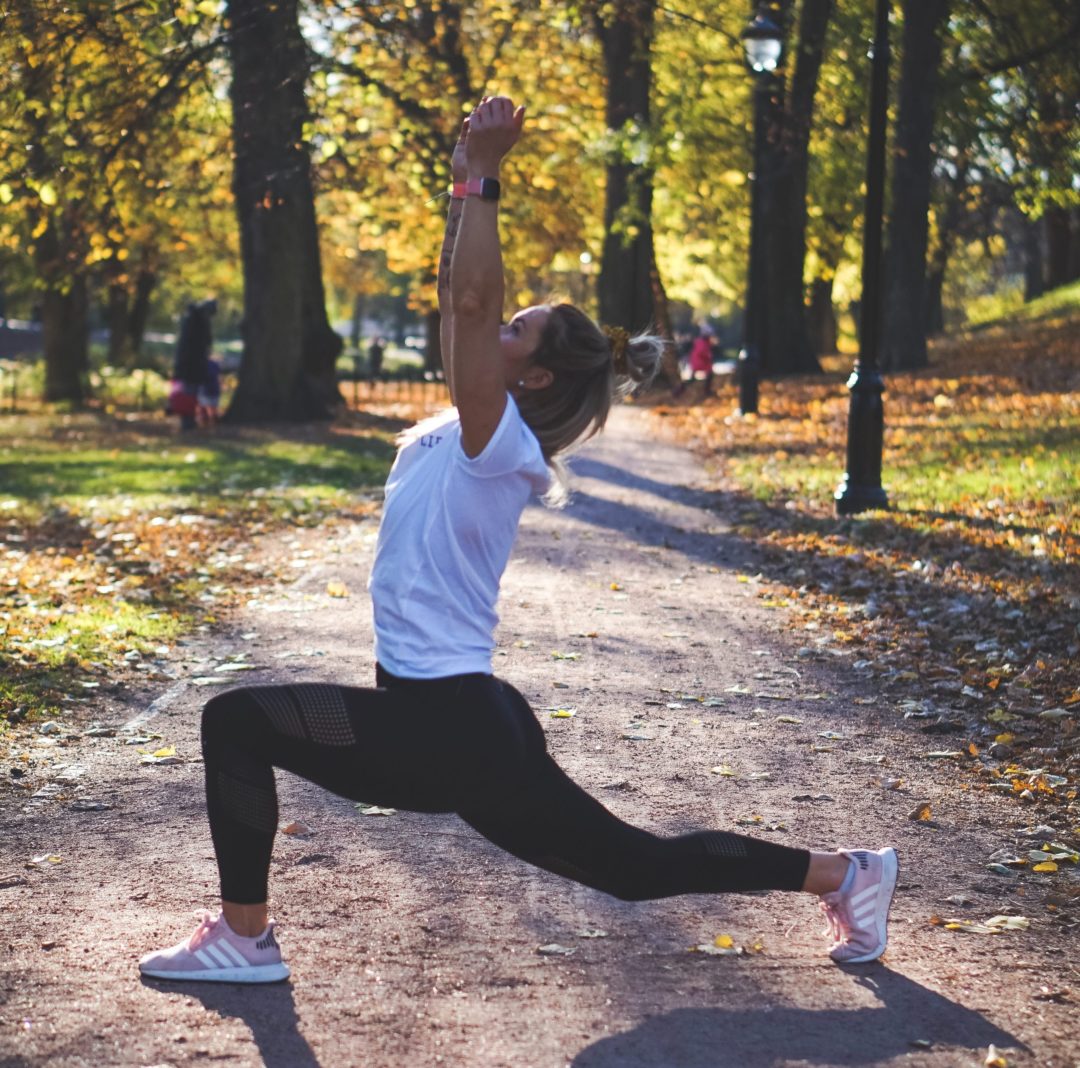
(861, 487)
(763, 42)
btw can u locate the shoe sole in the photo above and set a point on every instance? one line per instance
(263, 973)
(890, 868)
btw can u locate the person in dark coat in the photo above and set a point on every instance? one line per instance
(191, 367)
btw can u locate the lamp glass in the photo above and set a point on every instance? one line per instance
(762, 53)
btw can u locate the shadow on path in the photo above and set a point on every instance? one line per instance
(269, 1011)
(759, 1038)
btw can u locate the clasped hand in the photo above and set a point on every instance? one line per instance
(487, 135)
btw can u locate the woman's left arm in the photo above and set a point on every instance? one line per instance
(453, 224)
(476, 281)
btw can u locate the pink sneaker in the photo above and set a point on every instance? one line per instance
(858, 916)
(215, 953)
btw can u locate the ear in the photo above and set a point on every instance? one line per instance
(538, 378)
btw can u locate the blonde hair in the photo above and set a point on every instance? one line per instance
(591, 368)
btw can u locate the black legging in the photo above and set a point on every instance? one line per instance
(468, 744)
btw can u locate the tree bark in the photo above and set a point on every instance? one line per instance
(64, 341)
(785, 345)
(1034, 286)
(903, 338)
(821, 317)
(950, 219)
(625, 284)
(1056, 226)
(287, 368)
(64, 325)
(118, 318)
(145, 281)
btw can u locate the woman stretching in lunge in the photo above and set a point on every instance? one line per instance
(441, 733)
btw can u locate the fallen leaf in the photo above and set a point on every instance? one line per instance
(994, 1059)
(297, 829)
(374, 810)
(920, 812)
(553, 949)
(337, 589)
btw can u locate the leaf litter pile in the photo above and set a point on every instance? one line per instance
(962, 600)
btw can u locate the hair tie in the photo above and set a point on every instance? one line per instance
(619, 339)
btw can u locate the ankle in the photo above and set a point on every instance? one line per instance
(826, 873)
(247, 921)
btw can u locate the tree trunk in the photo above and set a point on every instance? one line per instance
(785, 345)
(625, 285)
(934, 313)
(950, 218)
(64, 325)
(118, 319)
(1034, 286)
(64, 341)
(287, 367)
(432, 340)
(821, 317)
(1074, 247)
(145, 281)
(1056, 224)
(903, 337)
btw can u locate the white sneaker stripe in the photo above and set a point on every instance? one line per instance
(222, 960)
(206, 960)
(870, 891)
(232, 952)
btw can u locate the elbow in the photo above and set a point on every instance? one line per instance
(469, 303)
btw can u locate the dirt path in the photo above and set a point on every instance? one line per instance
(413, 942)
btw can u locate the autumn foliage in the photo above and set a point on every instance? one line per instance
(959, 602)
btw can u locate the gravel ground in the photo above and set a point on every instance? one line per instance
(414, 942)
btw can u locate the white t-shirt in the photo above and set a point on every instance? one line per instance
(449, 523)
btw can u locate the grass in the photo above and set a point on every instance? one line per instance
(117, 536)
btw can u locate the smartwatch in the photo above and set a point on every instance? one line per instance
(484, 188)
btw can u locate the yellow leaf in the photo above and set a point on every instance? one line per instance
(615, 586)
(47, 194)
(6, 194)
(921, 813)
(723, 941)
(995, 1059)
(1046, 865)
(167, 751)
(725, 770)
(337, 589)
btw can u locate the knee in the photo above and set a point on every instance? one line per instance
(222, 720)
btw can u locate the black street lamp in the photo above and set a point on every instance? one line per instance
(861, 487)
(763, 41)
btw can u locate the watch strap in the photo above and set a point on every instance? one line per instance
(484, 188)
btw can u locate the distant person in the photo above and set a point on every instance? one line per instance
(208, 396)
(191, 367)
(702, 355)
(438, 732)
(375, 358)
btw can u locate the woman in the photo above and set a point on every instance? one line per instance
(440, 733)
(702, 355)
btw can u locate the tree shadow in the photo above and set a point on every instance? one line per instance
(767, 1036)
(268, 1010)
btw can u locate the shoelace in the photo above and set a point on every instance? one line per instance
(836, 926)
(207, 922)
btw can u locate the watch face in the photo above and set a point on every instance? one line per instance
(489, 189)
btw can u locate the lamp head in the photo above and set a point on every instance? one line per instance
(763, 41)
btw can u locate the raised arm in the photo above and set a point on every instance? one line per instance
(453, 222)
(476, 280)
